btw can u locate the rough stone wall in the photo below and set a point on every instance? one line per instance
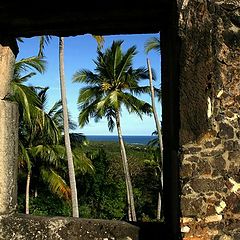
(8, 129)
(27, 227)
(210, 119)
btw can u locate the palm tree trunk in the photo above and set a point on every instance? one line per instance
(159, 137)
(130, 197)
(35, 192)
(159, 206)
(71, 171)
(27, 192)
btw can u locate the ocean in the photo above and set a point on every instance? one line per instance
(143, 140)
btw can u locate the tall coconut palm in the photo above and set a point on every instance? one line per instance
(154, 44)
(33, 122)
(112, 86)
(40, 152)
(28, 103)
(72, 179)
(33, 117)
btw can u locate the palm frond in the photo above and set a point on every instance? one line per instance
(85, 76)
(86, 113)
(152, 44)
(56, 183)
(43, 41)
(52, 154)
(26, 98)
(78, 139)
(89, 94)
(32, 63)
(82, 163)
(21, 79)
(126, 62)
(153, 142)
(55, 109)
(110, 115)
(135, 105)
(100, 40)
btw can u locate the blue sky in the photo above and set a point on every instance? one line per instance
(80, 51)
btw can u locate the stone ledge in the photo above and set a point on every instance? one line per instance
(20, 227)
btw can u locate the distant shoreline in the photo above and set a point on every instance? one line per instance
(130, 139)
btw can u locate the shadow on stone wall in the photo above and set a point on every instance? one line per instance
(151, 230)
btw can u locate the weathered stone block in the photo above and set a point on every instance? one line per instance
(226, 131)
(192, 206)
(203, 167)
(200, 185)
(27, 227)
(218, 163)
(7, 60)
(233, 203)
(186, 171)
(234, 156)
(8, 156)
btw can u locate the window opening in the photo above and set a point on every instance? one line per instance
(100, 192)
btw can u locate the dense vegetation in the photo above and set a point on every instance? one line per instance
(102, 193)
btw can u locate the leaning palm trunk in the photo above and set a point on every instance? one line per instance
(27, 192)
(130, 198)
(75, 212)
(159, 138)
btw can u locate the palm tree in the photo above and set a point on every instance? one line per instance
(72, 179)
(40, 153)
(33, 122)
(109, 89)
(28, 103)
(75, 210)
(154, 44)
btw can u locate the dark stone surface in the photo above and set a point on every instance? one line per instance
(208, 185)
(27, 227)
(226, 131)
(212, 153)
(233, 203)
(192, 206)
(99, 18)
(233, 156)
(203, 167)
(231, 145)
(218, 163)
(152, 230)
(186, 171)
(193, 159)
(196, 77)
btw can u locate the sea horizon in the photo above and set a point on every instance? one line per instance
(130, 139)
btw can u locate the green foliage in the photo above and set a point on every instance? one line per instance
(103, 194)
(45, 204)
